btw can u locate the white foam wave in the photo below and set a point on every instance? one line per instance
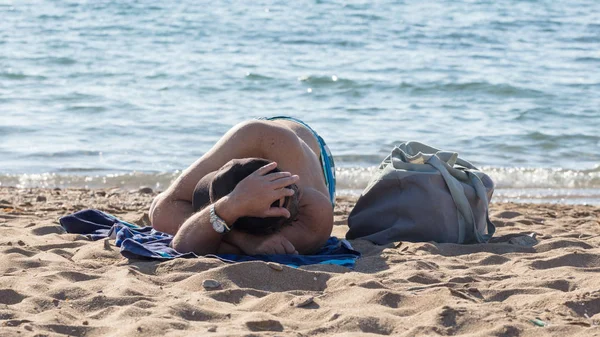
(512, 184)
(132, 180)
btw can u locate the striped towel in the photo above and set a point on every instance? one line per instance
(146, 242)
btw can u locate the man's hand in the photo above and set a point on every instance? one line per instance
(254, 194)
(271, 244)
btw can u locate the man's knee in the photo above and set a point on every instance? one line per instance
(253, 128)
(154, 206)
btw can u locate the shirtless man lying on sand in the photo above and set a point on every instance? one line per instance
(266, 187)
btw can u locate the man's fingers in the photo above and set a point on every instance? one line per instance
(284, 192)
(277, 175)
(289, 247)
(279, 249)
(265, 169)
(277, 212)
(286, 181)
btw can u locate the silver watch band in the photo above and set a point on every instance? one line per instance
(218, 224)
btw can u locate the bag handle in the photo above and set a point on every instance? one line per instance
(465, 212)
(480, 231)
(413, 148)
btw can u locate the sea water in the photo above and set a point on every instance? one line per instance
(129, 93)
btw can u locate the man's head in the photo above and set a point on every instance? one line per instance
(221, 182)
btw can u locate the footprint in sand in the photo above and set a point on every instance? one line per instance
(423, 278)
(264, 325)
(10, 297)
(74, 276)
(193, 313)
(561, 285)
(578, 260)
(492, 260)
(561, 243)
(236, 296)
(585, 308)
(46, 230)
(448, 315)
(73, 330)
(388, 299)
(372, 284)
(20, 251)
(68, 293)
(507, 215)
(65, 245)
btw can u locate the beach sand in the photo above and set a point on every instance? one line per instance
(52, 283)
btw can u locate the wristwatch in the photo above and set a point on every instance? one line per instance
(218, 224)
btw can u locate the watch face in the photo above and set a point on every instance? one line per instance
(218, 227)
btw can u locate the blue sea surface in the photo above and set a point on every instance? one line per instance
(128, 93)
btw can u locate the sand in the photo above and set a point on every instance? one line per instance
(53, 283)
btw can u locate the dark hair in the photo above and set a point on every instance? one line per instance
(224, 180)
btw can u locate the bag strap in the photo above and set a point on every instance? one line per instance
(480, 231)
(465, 212)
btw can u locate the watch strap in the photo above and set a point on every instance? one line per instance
(217, 222)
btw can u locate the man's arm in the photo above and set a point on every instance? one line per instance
(249, 244)
(197, 235)
(252, 196)
(306, 235)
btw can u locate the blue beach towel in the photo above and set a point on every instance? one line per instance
(146, 242)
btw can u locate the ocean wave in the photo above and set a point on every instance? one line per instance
(535, 185)
(586, 39)
(60, 60)
(512, 184)
(558, 139)
(6, 130)
(91, 109)
(504, 178)
(473, 88)
(367, 17)
(536, 114)
(132, 180)
(64, 154)
(333, 80)
(52, 17)
(331, 42)
(463, 36)
(9, 75)
(358, 159)
(549, 178)
(588, 59)
(257, 77)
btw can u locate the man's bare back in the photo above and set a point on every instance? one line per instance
(295, 150)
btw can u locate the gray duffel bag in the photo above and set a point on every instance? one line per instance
(420, 193)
